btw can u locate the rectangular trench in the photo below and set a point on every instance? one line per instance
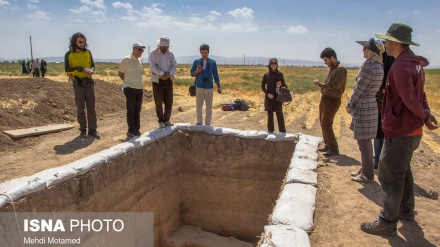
(223, 184)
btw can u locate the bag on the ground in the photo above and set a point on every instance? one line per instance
(84, 82)
(228, 107)
(284, 96)
(241, 104)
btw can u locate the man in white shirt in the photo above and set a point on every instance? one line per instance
(163, 67)
(36, 68)
(130, 71)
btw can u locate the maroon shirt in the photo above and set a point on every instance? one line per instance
(404, 103)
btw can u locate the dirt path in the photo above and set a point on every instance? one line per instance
(341, 204)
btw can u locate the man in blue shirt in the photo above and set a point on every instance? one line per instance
(205, 71)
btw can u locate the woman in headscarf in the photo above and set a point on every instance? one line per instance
(271, 80)
(363, 107)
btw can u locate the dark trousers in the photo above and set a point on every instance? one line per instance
(280, 120)
(85, 98)
(327, 112)
(396, 178)
(163, 95)
(134, 104)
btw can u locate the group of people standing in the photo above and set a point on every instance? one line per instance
(79, 66)
(35, 66)
(388, 105)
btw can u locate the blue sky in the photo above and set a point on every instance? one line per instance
(294, 29)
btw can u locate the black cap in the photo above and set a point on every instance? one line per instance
(370, 45)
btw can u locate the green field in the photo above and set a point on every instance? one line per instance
(237, 77)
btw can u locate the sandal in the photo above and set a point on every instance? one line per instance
(362, 179)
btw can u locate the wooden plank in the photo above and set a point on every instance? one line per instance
(18, 133)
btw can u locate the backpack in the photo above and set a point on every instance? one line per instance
(242, 105)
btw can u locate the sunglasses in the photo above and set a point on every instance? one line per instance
(273, 63)
(140, 49)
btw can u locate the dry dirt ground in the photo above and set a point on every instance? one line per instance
(341, 204)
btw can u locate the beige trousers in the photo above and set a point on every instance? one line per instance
(204, 95)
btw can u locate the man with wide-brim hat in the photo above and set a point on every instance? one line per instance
(404, 112)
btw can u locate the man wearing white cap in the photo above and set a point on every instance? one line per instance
(130, 71)
(163, 67)
(404, 112)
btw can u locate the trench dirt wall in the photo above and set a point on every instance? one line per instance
(224, 184)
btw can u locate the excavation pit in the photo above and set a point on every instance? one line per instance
(198, 180)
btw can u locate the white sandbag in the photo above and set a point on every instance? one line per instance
(310, 140)
(19, 187)
(3, 200)
(86, 164)
(294, 213)
(303, 163)
(160, 133)
(226, 131)
(128, 146)
(252, 134)
(299, 192)
(182, 126)
(111, 153)
(281, 137)
(56, 175)
(305, 154)
(284, 236)
(145, 140)
(296, 175)
(202, 128)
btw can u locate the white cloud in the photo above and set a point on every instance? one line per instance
(98, 3)
(81, 10)
(32, 6)
(297, 29)
(39, 15)
(34, 1)
(243, 22)
(4, 3)
(213, 15)
(242, 15)
(119, 5)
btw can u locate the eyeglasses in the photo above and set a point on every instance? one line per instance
(140, 49)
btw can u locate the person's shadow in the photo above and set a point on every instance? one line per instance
(413, 235)
(71, 146)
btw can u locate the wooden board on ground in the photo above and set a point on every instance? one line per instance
(18, 133)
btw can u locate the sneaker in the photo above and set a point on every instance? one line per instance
(168, 123)
(95, 134)
(379, 227)
(83, 134)
(130, 135)
(161, 125)
(362, 179)
(137, 133)
(355, 174)
(324, 149)
(330, 153)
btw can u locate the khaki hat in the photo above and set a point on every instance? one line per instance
(399, 32)
(138, 44)
(164, 41)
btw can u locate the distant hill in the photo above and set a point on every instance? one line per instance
(220, 60)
